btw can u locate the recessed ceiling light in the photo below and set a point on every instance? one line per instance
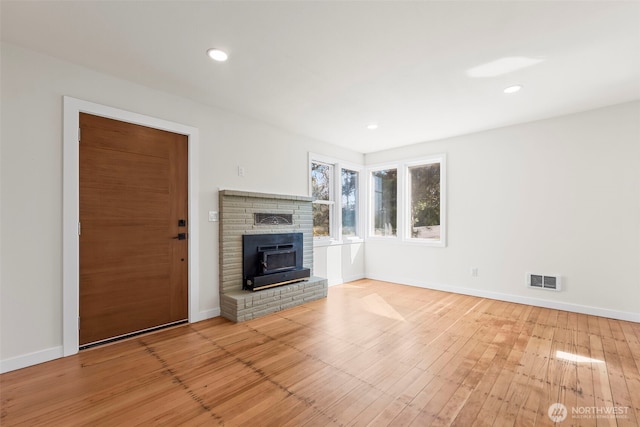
(372, 126)
(512, 89)
(217, 55)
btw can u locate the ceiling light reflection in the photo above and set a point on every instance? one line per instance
(512, 89)
(502, 66)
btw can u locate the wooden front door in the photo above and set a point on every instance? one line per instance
(133, 208)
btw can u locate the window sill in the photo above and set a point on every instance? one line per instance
(425, 242)
(334, 242)
(412, 242)
(383, 238)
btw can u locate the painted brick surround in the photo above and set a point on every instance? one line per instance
(237, 209)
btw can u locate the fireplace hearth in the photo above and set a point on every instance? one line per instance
(270, 260)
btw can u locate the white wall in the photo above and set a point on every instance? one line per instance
(339, 263)
(559, 196)
(32, 87)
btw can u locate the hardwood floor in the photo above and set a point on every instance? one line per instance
(372, 353)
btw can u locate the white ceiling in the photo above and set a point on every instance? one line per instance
(326, 69)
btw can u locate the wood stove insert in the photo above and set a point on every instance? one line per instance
(270, 260)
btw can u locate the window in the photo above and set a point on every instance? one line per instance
(335, 188)
(424, 201)
(322, 193)
(385, 202)
(349, 180)
(407, 201)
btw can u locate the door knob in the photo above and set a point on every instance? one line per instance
(181, 236)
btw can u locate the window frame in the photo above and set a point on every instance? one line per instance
(359, 204)
(371, 200)
(403, 219)
(330, 202)
(335, 216)
(406, 235)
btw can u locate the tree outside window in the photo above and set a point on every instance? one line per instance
(424, 185)
(321, 191)
(349, 179)
(408, 202)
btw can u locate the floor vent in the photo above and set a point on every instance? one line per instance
(540, 281)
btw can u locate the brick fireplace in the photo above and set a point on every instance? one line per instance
(243, 213)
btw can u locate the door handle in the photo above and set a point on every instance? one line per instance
(181, 236)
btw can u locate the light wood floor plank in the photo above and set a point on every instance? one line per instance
(371, 354)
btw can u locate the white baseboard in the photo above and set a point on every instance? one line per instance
(537, 302)
(30, 359)
(42, 356)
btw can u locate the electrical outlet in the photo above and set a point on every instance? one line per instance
(240, 171)
(213, 216)
(474, 272)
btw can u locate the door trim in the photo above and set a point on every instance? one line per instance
(71, 212)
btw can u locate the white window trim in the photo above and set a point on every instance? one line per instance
(406, 232)
(335, 225)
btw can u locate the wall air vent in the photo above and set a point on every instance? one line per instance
(544, 281)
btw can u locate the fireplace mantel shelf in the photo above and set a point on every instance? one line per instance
(238, 193)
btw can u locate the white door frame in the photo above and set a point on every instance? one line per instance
(71, 212)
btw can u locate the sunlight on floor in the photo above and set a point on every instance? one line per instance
(576, 358)
(377, 305)
(347, 286)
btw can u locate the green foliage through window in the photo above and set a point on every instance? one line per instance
(321, 181)
(335, 192)
(425, 201)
